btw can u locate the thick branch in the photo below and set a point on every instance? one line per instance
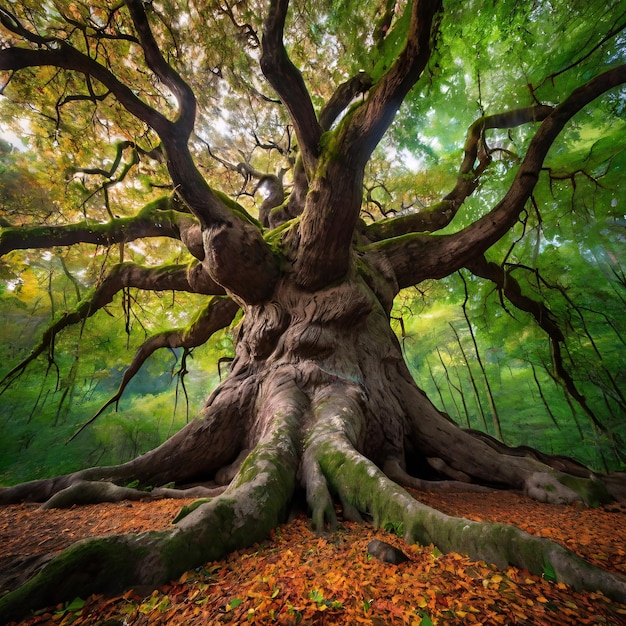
(166, 74)
(188, 181)
(334, 200)
(156, 219)
(287, 80)
(66, 57)
(124, 275)
(475, 161)
(416, 257)
(372, 119)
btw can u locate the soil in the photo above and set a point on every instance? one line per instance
(28, 533)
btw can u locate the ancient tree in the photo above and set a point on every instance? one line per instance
(318, 396)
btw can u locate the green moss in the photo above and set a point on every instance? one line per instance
(593, 492)
(107, 564)
(188, 508)
(235, 207)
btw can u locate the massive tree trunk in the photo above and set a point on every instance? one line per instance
(318, 398)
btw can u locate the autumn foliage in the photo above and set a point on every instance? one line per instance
(297, 577)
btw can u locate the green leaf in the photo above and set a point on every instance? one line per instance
(317, 596)
(548, 572)
(75, 605)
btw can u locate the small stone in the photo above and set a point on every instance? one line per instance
(386, 552)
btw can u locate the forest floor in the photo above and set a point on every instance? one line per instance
(298, 577)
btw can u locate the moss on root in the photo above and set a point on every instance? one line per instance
(103, 565)
(362, 484)
(245, 513)
(593, 492)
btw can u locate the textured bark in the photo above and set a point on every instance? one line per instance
(320, 395)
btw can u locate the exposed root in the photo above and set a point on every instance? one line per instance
(369, 490)
(337, 409)
(94, 492)
(198, 491)
(193, 454)
(442, 467)
(317, 495)
(395, 472)
(437, 436)
(256, 501)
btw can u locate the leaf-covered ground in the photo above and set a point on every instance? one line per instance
(297, 577)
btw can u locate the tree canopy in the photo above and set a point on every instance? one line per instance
(286, 180)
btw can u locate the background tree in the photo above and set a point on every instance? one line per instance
(293, 201)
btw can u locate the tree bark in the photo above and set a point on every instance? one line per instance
(320, 395)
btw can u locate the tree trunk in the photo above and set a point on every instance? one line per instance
(320, 395)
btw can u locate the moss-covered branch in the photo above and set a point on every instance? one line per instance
(156, 219)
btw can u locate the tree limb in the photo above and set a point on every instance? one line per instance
(371, 120)
(188, 181)
(124, 275)
(64, 56)
(335, 197)
(512, 290)
(416, 257)
(475, 161)
(218, 314)
(287, 80)
(163, 70)
(342, 97)
(156, 219)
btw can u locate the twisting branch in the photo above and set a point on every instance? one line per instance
(511, 289)
(202, 201)
(124, 275)
(55, 52)
(120, 148)
(476, 159)
(335, 195)
(163, 70)
(228, 231)
(417, 256)
(287, 80)
(370, 121)
(218, 314)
